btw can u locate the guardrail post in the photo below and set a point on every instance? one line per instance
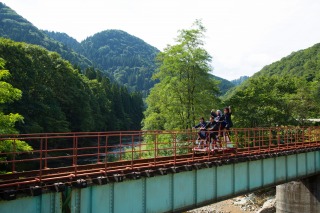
(155, 148)
(98, 158)
(76, 156)
(237, 140)
(120, 153)
(278, 137)
(270, 140)
(46, 152)
(311, 138)
(175, 147)
(140, 144)
(106, 158)
(14, 156)
(40, 166)
(73, 150)
(132, 155)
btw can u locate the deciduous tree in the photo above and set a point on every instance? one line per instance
(185, 91)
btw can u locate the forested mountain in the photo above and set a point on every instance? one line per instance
(224, 85)
(57, 98)
(128, 59)
(65, 39)
(239, 81)
(17, 28)
(125, 58)
(283, 93)
(113, 47)
(304, 63)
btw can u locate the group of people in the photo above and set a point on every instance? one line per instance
(218, 121)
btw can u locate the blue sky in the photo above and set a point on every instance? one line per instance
(242, 36)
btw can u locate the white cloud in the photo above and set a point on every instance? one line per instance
(243, 36)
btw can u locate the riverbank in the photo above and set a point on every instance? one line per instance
(260, 201)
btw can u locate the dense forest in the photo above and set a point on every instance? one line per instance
(17, 28)
(57, 98)
(126, 59)
(287, 92)
(223, 84)
(99, 84)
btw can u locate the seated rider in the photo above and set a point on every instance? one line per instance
(202, 126)
(212, 127)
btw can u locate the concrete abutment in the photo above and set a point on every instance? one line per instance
(299, 196)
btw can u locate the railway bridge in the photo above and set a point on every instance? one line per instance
(149, 171)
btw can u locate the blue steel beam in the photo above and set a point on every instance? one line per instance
(176, 191)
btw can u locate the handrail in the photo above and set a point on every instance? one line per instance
(106, 152)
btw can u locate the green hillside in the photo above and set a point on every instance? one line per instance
(57, 98)
(240, 80)
(286, 92)
(126, 58)
(224, 85)
(17, 28)
(304, 63)
(65, 39)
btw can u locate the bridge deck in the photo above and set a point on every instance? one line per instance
(106, 154)
(68, 172)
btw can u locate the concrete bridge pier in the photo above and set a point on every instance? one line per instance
(299, 196)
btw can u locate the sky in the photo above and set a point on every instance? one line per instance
(242, 36)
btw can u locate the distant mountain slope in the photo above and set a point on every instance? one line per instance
(240, 80)
(57, 98)
(17, 28)
(224, 85)
(128, 59)
(286, 92)
(303, 63)
(117, 52)
(65, 39)
(125, 58)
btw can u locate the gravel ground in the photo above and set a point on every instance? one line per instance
(242, 204)
(226, 206)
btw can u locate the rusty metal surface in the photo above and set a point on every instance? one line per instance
(68, 156)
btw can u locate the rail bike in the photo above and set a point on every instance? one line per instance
(219, 143)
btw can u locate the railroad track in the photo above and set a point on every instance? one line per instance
(117, 171)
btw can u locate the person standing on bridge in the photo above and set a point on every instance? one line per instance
(227, 122)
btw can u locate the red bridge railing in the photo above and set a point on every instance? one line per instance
(67, 155)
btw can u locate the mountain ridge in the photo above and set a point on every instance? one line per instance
(303, 64)
(19, 29)
(123, 64)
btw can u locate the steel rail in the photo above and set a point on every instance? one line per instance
(166, 149)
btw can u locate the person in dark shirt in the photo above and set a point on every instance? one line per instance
(202, 126)
(213, 113)
(227, 122)
(213, 127)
